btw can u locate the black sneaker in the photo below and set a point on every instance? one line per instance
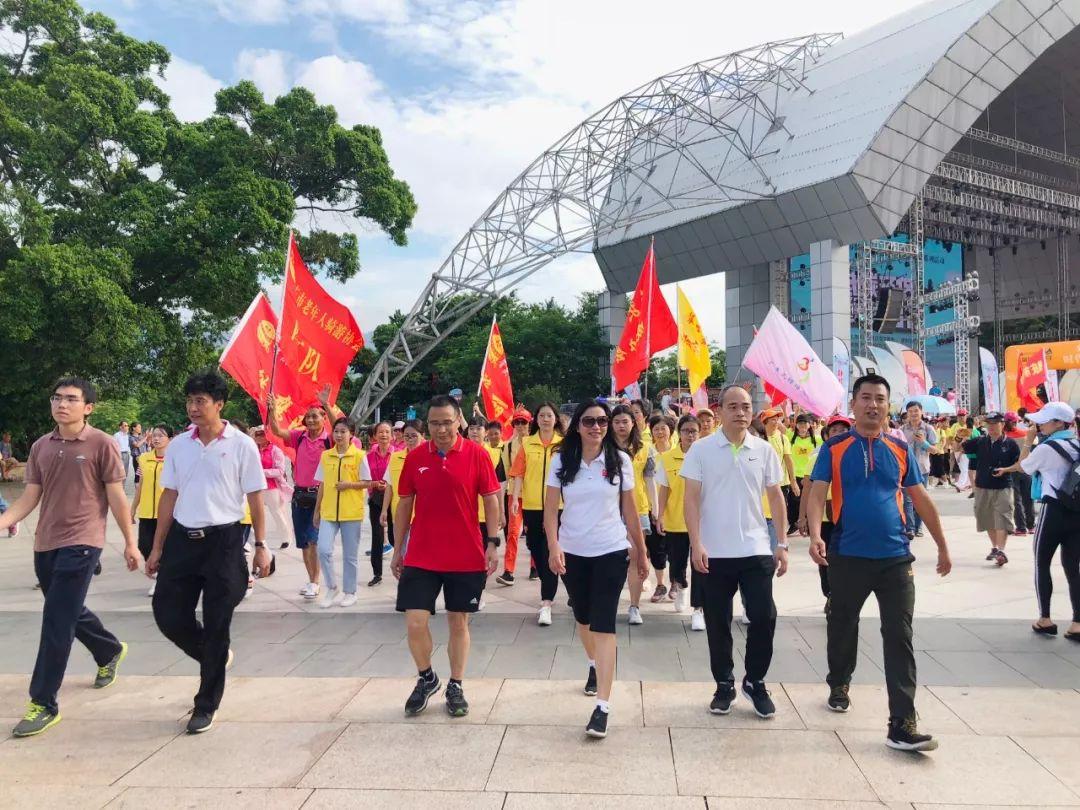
(505, 578)
(838, 699)
(722, 698)
(374, 581)
(904, 736)
(533, 575)
(456, 704)
(590, 683)
(200, 721)
(418, 700)
(992, 555)
(597, 723)
(759, 696)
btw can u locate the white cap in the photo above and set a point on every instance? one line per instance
(398, 425)
(1062, 411)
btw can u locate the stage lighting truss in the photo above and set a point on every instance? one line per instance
(562, 202)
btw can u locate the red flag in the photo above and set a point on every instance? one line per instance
(249, 354)
(1033, 373)
(775, 395)
(650, 327)
(318, 335)
(495, 386)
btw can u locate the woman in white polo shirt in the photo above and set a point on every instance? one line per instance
(590, 549)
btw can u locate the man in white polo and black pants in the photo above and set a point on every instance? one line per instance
(199, 546)
(726, 474)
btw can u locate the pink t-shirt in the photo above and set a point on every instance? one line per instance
(308, 454)
(377, 462)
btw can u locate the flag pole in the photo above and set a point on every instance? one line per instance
(487, 348)
(281, 311)
(648, 317)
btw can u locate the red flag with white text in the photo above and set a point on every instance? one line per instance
(650, 327)
(495, 388)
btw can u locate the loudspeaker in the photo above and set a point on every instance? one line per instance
(890, 306)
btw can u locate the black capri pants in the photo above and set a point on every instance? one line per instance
(536, 541)
(595, 584)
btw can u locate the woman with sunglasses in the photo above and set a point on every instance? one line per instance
(528, 474)
(624, 429)
(672, 524)
(145, 505)
(589, 547)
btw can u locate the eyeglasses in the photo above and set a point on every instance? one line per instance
(67, 399)
(594, 421)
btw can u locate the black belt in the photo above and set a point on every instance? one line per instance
(203, 531)
(305, 489)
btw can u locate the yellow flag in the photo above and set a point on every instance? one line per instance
(693, 348)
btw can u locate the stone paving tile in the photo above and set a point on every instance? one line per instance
(980, 668)
(268, 660)
(1021, 712)
(252, 754)
(334, 661)
(729, 803)
(155, 798)
(562, 703)
(686, 705)
(455, 757)
(1044, 668)
(144, 658)
(561, 632)
(695, 664)
(133, 696)
(869, 709)
(347, 799)
(329, 629)
(395, 661)
(387, 628)
(1057, 755)
(517, 661)
(954, 636)
(274, 628)
(570, 664)
(71, 753)
(382, 700)
(651, 662)
(287, 699)
(659, 631)
(493, 629)
(577, 801)
(790, 665)
(965, 769)
(815, 764)
(37, 796)
(550, 759)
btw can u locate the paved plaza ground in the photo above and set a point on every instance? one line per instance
(313, 718)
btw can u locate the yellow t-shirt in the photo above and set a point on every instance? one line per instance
(782, 446)
(150, 465)
(640, 462)
(672, 461)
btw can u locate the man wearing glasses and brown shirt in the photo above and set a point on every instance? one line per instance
(75, 473)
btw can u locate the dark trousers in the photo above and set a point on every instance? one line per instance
(379, 536)
(64, 575)
(678, 552)
(1023, 506)
(536, 540)
(215, 569)
(851, 581)
(1057, 527)
(823, 570)
(753, 576)
(792, 503)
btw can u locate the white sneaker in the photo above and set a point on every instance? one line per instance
(153, 587)
(633, 616)
(680, 600)
(543, 618)
(310, 591)
(330, 597)
(697, 621)
(481, 605)
(229, 660)
(348, 600)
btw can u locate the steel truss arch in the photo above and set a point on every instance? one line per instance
(588, 186)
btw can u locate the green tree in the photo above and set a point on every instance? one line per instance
(130, 242)
(663, 373)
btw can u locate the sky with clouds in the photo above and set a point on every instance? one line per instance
(466, 93)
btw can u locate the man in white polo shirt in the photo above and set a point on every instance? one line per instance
(726, 475)
(199, 546)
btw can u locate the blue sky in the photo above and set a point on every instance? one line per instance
(466, 93)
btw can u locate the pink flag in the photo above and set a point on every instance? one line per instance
(915, 371)
(780, 355)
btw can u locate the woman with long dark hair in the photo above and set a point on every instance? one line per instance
(628, 438)
(528, 474)
(589, 547)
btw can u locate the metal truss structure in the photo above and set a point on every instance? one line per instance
(587, 186)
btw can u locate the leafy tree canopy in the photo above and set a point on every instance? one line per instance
(129, 241)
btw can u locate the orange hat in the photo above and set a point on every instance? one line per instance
(769, 413)
(521, 413)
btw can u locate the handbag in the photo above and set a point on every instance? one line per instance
(305, 498)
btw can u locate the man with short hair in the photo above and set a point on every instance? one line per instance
(75, 473)
(993, 495)
(726, 475)
(210, 471)
(869, 553)
(920, 437)
(439, 485)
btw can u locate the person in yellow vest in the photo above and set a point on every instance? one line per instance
(642, 410)
(343, 476)
(412, 434)
(663, 428)
(672, 523)
(643, 459)
(145, 507)
(528, 476)
(494, 446)
(477, 432)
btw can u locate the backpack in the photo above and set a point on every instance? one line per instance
(1068, 494)
(327, 444)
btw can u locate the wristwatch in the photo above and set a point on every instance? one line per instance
(260, 544)
(495, 541)
(784, 546)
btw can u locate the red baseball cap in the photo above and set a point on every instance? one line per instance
(837, 419)
(521, 413)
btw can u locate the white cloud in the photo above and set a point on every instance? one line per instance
(269, 12)
(269, 69)
(257, 12)
(191, 89)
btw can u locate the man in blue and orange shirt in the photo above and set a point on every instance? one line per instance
(869, 473)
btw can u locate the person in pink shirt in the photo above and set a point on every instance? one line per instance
(279, 489)
(377, 458)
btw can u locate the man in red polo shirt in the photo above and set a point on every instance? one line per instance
(438, 488)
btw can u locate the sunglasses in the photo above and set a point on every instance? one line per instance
(594, 421)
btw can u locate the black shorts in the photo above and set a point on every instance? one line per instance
(418, 589)
(147, 527)
(595, 584)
